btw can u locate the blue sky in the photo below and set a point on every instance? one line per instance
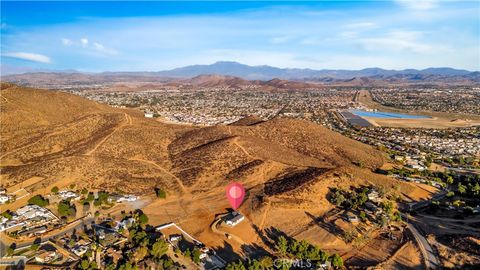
(149, 36)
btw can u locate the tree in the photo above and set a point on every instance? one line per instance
(97, 202)
(160, 193)
(143, 219)
(196, 255)
(167, 264)
(7, 214)
(54, 189)
(34, 246)
(362, 216)
(90, 197)
(293, 246)
(337, 261)
(140, 253)
(103, 197)
(313, 253)
(461, 188)
(84, 264)
(10, 251)
(266, 262)
(476, 189)
(188, 254)
(84, 191)
(302, 249)
(159, 248)
(282, 245)
(253, 265)
(110, 266)
(38, 200)
(450, 180)
(388, 207)
(65, 209)
(324, 256)
(137, 236)
(338, 199)
(235, 266)
(397, 216)
(127, 266)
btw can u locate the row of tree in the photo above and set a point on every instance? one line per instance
(289, 254)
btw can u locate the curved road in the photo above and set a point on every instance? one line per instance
(430, 258)
(217, 231)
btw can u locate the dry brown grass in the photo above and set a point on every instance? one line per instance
(287, 166)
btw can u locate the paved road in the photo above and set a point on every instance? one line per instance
(414, 206)
(430, 258)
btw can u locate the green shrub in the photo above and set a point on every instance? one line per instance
(38, 200)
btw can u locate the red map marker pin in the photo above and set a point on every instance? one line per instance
(235, 194)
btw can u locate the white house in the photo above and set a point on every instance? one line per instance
(67, 194)
(4, 198)
(373, 196)
(233, 219)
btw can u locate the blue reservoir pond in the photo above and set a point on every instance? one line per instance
(379, 114)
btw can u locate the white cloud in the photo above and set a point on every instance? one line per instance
(361, 25)
(66, 42)
(418, 4)
(280, 39)
(405, 41)
(101, 48)
(29, 57)
(394, 45)
(84, 42)
(398, 41)
(348, 34)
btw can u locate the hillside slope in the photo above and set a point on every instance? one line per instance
(41, 129)
(286, 165)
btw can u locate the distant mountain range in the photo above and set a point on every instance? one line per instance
(363, 77)
(269, 72)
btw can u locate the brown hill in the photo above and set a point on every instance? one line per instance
(286, 165)
(42, 128)
(217, 81)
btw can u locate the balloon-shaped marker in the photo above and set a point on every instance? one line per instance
(235, 194)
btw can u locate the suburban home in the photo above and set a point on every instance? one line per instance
(47, 256)
(233, 219)
(351, 217)
(4, 198)
(373, 195)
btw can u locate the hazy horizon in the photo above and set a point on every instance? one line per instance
(25, 69)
